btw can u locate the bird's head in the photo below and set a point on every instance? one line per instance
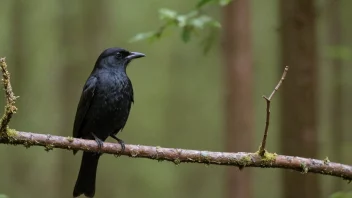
(116, 57)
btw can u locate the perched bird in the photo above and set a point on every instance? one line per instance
(103, 110)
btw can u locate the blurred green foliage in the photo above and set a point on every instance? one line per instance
(195, 23)
(341, 195)
(339, 52)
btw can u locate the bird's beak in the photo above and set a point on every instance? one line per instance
(134, 55)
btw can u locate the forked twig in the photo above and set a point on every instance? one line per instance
(268, 101)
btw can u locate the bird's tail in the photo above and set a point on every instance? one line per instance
(85, 183)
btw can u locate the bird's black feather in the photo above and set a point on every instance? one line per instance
(84, 104)
(103, 110)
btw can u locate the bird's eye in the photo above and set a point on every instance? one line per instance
(118, 55)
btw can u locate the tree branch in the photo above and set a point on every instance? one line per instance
(177, 156)
(10, 107)
(268, 101)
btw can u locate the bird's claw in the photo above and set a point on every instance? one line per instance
(121, 142)
(99, 142)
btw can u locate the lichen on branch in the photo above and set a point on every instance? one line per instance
(10, 107)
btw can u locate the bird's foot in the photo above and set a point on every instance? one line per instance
(99, 142)
(121, 142)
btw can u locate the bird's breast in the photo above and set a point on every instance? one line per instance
(116, 95)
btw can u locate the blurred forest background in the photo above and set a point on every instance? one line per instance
(183, 97)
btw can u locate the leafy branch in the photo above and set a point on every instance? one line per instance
(194, 22)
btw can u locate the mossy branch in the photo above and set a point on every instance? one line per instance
(10, 107)
(175, 155)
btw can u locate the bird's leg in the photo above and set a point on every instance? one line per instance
(99, 142)
(121, 142)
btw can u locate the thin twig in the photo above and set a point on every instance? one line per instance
(268, 101)
(10, 107)
(177, 156)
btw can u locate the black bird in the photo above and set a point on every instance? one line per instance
(103, 110)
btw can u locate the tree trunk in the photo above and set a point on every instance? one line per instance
(239, 85)
(299, 102)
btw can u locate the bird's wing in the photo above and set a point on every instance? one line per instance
(132, 95)
(84, 104)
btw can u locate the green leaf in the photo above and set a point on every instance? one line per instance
(143, 36)
(3, 196)
(183, 19)
(192, 14)
(201, 3)
(224, 2)
(186, 33)
(208, 41)
(167, 14)
(204, 21)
